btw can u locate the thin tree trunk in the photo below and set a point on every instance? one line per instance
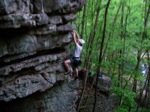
(100, 53)
(113, 27)
(144, 36)
(92, 38)
(83, 21)
(134, 88)
(87, 66)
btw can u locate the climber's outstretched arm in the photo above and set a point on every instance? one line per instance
(75, 36)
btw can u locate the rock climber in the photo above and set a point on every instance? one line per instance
(74, 61)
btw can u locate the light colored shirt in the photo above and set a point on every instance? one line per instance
(77, 51)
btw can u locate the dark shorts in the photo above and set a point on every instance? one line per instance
(75, 62)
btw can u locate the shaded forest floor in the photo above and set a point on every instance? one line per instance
(105, 103)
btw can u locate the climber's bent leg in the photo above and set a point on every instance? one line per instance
(76, 72)
(67, 64)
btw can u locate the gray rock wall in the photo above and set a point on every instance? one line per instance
(60, 98)
(34, 40)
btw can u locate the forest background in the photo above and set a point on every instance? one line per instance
(117, 35)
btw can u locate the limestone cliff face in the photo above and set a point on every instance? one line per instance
(34, 40)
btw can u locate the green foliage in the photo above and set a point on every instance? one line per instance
(145, 110)
(123, 41)
(128, 97)
(121, 109)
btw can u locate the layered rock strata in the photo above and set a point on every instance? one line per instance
(35, 37)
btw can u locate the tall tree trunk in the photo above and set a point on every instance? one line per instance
(89, 53)
(134, 88)
(100, 52)
(83, 20)
(121, 52)
(87, 61)
(144, 36)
